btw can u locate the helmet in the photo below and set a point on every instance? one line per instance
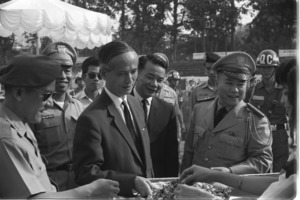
(267, 58)
(173, 75)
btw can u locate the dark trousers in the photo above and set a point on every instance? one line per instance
(280, 149)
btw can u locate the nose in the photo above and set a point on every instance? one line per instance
(49, 102)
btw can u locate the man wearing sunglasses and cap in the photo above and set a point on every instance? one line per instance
(225, 133)
(29, 82)
(92, 79)
(55, 132)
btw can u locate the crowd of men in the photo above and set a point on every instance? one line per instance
(121, 125)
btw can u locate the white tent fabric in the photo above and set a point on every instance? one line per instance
(59, 20)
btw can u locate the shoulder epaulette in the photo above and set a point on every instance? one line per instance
(255, 110)
(206, 99)
(4, 126)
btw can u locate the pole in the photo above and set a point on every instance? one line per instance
(37, 44)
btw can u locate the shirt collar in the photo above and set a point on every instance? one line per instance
(136, 94)
(116, 100)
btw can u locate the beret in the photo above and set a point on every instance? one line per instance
(62, 52)
(30, 71)
(211, 57)
(239, 65)
(163, 58)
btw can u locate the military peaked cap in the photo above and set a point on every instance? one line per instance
(239, 65)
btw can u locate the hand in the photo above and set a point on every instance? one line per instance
(222, 169)
(143, 186)
(185, 191)
(196, 174)
(104, 188)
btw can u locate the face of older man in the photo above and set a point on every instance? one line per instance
(121, 73)
(231, 90)
(35, 102)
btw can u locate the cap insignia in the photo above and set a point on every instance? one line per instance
(61, 49)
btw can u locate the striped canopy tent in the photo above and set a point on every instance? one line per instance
(60, 21)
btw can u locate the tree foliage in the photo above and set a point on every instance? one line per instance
(274, 27)
(181, 27)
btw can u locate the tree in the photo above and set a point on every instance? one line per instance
(274, 27)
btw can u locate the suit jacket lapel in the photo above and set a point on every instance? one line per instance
(232, 118)
(120, 124)
(138, 116)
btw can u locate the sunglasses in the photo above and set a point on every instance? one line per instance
(45, 94)
(93, 75)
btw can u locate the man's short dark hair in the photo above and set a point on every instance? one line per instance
(153, 59)
(88, 62)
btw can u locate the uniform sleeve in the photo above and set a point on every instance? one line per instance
(259, 148)
(188, 146)
(18, 180)
(88, 157)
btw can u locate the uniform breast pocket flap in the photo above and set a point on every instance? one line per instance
(199, 131)
(231, 140)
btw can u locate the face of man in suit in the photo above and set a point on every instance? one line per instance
(150, 79)
(230, 90)
(120, 73)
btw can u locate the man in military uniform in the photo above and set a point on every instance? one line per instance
(208, 88)
(29, 82)
(55, 133)
(173, 78)
(225, 133)
(266, 96)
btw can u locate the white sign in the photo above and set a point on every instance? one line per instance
(287, 52)
(201, 56)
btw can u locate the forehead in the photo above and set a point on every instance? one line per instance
(150, 67)
(123, 60)
(93, 68)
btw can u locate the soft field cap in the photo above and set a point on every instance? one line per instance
(30, 71)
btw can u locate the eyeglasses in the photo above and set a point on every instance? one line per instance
(45, 94)
(93, 75)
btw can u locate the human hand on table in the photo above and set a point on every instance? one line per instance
(143, 186)
(104, 188)
(196, 173)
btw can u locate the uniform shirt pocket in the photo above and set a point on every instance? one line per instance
(48, 132)
(231, 146)
(198, 135)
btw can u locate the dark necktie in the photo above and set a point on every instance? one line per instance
(220, 115)
(130, 127)
(128, 121)
(145, 102)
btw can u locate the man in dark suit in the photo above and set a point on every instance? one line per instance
(111, 138)
(160, 115)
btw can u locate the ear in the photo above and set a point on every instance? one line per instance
(17, 93)
(102, 72)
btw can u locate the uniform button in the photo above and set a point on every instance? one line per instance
(206, 159)
(209, 147)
